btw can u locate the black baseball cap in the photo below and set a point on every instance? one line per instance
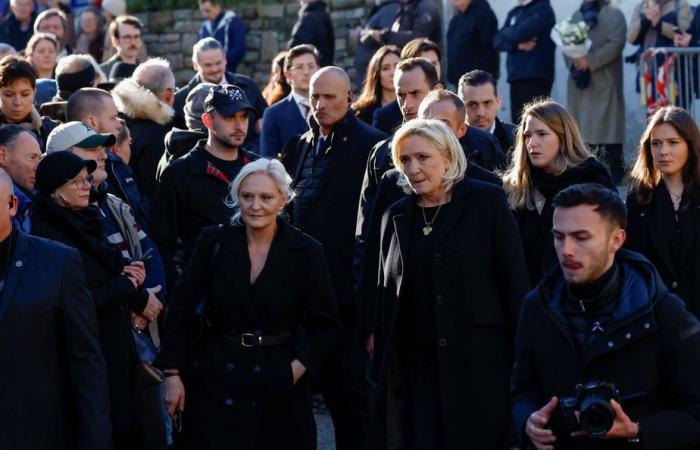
(58, 168)
(227, 100)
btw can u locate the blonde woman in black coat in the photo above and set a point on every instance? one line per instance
(269, 299)
(452, 276)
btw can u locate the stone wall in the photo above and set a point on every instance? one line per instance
(171, 35)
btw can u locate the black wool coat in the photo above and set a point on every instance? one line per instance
(650, 350)
(334, 213)
(112, 293)
(479, 281)
(469, 41)
(243, 397)
(646, 235)
(315, 27)
(53, 382)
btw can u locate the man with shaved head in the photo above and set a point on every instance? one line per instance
(50, 355)
(327, 164)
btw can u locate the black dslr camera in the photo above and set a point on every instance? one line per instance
(592, 401)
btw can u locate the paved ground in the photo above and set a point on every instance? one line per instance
(324, 428)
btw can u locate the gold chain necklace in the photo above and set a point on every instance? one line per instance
(428, 228)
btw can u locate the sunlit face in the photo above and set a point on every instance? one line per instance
(300, 71)
(330, 99)
(423, 165)
(106, 120)
(17, 100)
(411, 88)
(542, 144)
(482, 105)
(98, 155)
(386, 71)
(210, 65)
(585, 243)
(53, 25)
(8, 208)
(129, 41)
(461, 5)
(229, 131)
(75, 194)
(123, 149)
(431, 56)
(260, 201)
(668, 150)
(43, 58)
(209, 10)
(445, 111)
(21, 159)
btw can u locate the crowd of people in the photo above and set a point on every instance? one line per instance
(195, 267)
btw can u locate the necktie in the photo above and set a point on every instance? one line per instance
(321, 145)
(307, 109)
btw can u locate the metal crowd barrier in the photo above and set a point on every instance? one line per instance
(669, 76)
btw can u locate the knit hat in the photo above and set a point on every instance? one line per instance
(194, 106)
(114, 7)
(58, 168)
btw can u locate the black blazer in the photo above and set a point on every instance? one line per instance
(482, 148)
(334, 213)
(644, 227)
(292, 294)
(53, 382)
(479, 280)
(388, 118)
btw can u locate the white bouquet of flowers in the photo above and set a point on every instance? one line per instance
(572, 38)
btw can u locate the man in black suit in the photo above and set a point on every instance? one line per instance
(478, 91)
(53, 381)
(327, 164)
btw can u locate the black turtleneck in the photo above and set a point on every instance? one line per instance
(589, 307)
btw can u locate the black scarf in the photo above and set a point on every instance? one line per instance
(589, 171)
(84, 226)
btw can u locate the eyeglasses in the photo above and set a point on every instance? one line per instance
(79, 183)
(310, 66)
(130, 37)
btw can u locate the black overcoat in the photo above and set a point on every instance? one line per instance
(650, 350)
(333, 217)
(479, 280)
(53, 383)
(242, 397)
(643, 229)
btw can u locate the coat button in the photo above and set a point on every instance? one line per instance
(647, 326)
(674, 284)
(230, 366)
(611, 344)
(628, 336)
(437, 257)
(439, 299)
(257, 369)
(18, 264)
(228, 402)
(442, 342)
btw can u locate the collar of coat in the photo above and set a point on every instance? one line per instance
(220, 22)
(343, 128)
(137, 102)
(32, 122)
(233, 237)
(231, 78)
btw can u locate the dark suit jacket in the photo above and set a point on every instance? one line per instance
(281, 121)
(505, 135)
(388, 118)
(334, 211)
(478, 280)
(483, 149)
(53, 382)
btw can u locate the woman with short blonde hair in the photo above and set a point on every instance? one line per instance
(451, 279)
(550, 155)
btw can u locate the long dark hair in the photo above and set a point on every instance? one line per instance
(372, 89)
(645, 177)
(277, 87)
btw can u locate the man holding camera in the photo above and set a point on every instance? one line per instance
(606, 356)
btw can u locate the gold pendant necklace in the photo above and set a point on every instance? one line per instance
(428, 228)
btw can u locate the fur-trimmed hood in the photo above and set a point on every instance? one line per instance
(137, 102)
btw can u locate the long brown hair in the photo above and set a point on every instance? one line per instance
(645, 177)
(372, 89)
(277, 87)
(517, 180)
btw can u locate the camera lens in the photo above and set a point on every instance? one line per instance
(596, 416)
